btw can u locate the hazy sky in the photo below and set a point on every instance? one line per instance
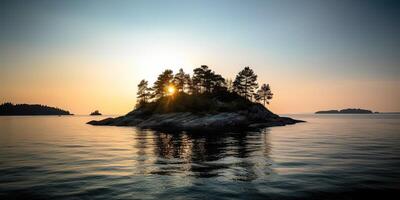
(87, 55)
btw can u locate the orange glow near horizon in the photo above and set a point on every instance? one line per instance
(113, 90)
(86, 84)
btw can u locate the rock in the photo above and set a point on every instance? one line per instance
(107, 121)
(221, 112)
(96, 112)
(191, 122)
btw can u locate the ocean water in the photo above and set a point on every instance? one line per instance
(329, 157)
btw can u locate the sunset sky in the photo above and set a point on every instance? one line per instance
(87, 55)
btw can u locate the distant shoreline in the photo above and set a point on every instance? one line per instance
(9, 109)
(347, 111)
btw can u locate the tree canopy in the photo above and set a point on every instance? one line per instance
(203, 81)
(206, 80)
(264, 94)
(181, 80)
(143, 93)
(245, 83)
(164, 80)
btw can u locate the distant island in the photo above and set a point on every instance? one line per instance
(346, 111)
(96, 112)
(203, 101)
(26, 109)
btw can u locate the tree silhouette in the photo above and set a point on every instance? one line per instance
(198, 79)
(204, 84)
(264, 94)
(245, 83)
(143, 93)
(205, 80)
(181, 80)
(26, 109)
(217, 83)
(163, 81)
(208, 79)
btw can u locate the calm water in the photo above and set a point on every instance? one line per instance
(330, 157)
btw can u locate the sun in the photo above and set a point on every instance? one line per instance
(171, 90)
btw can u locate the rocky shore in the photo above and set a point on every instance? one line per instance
(255, 117)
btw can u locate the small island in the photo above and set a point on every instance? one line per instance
(96, 112)
(205, 101)
(346, 111)
(26, 109)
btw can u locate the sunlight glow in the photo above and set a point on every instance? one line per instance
(171, 90)
(163, 55)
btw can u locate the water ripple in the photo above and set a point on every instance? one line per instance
(329, 157)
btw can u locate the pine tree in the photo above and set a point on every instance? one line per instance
(264, 94)
(205, 80)
(181, 80)
(217, 83)
(199, 78)
(143, 93)
(245, 83)
(164, 80)
(208, 77)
